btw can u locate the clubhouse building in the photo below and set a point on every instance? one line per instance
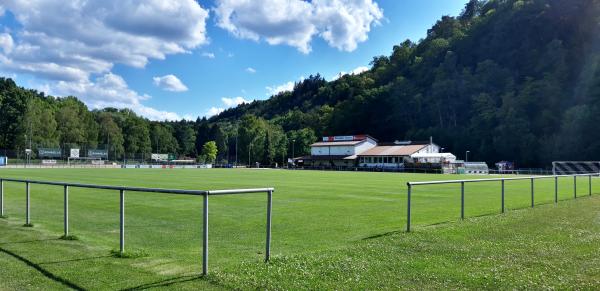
(364, 151)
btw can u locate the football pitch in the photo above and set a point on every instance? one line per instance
(313, 212)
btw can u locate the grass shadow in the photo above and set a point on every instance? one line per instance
(43, 271)
(27, 241)
(74, 260)
(166, 283)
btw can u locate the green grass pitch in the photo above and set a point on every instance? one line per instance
(313, 212)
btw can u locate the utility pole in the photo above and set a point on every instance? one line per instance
(249, 155)
(293, 152)
(467, 156)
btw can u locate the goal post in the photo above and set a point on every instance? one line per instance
(575, 167)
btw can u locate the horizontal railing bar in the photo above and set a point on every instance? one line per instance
(493, 179)
(239, 191)
(141, 189)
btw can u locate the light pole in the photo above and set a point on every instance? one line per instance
(293, 152)
(249, 154)
(467, 156)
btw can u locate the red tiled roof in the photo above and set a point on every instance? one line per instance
(405, 150)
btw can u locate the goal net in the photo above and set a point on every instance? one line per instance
(575, 167)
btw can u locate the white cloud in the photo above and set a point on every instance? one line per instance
(67, 44)
(274, 90)
(356, 71)
(170, 83)
(230, 102)
(214, 111)
(250, 70)
(208, 55)
(341, 23)
(6, 42)
(109, 90)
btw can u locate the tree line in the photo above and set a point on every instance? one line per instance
(515, 80)
(29, 116)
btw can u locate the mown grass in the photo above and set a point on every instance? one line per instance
(550, 247)
(314, 213)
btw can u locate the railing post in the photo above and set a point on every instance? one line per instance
(1, 198)
(462, 200)
(532, 195)
(408, 209)
(205, 236)
(66, 211)
(575, 186)
(269, 207)
(122, 222)
(590, 180)
(27, 214)
(555, 189)
(502, 207)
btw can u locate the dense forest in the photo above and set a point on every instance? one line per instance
(514, 80)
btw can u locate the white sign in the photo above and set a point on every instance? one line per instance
(343, 138)
(74, 153)
(49, 162)
(97, 162)
(160, 157)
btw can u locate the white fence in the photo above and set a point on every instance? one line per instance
(204, 193)
(502, 181)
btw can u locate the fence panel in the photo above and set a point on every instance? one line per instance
(476, 198)
(122, 210)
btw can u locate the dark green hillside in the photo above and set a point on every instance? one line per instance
(514, 80)
(507, 79)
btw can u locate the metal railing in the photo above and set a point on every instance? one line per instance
(410, 185)
(122, 189)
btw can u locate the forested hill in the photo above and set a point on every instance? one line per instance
(514, 80)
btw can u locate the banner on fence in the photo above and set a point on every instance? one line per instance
(49, 162)
(49, 152)
(103, 154)
(160, 157)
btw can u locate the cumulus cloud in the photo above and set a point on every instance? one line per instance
(276, 89)
(230, 102)
(170, 83)
(74, 45)
(341, 23)
(208, 55)
(250, 70)
(6, 42)
(109, 90)
(214, 111)
(356, 71)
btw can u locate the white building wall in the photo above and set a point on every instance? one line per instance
(332, 151)
(349, 150)
(430, 149)
(369, 144)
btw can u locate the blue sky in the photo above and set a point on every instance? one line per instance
(182, 59)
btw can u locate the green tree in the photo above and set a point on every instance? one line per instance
(40, 123)
(71, 126)
(110, 134)
(162, 139)
(209, 150)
